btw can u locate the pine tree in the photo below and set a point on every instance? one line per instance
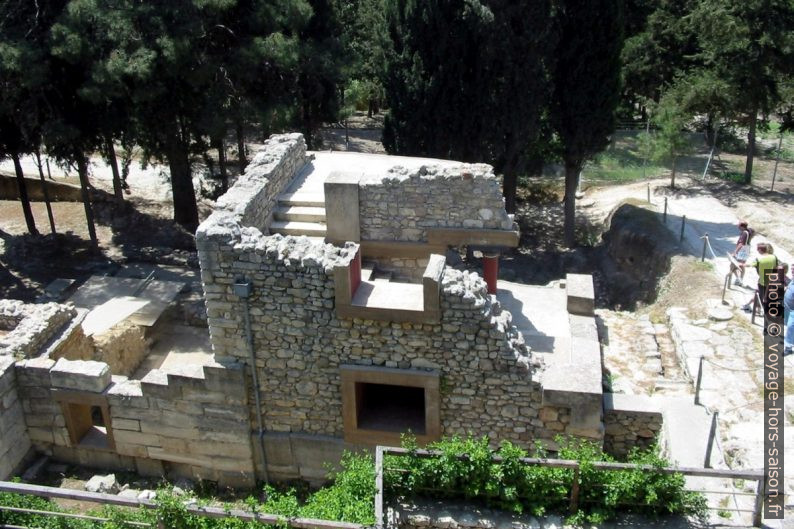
(748, 45)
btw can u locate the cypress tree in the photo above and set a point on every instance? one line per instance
(586, 88)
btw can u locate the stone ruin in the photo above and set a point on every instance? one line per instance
(335, 323)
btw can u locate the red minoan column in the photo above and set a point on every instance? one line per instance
(490, 269)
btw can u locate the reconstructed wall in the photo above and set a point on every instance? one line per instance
(403, 204)
(193, 424)
(14, 441)
(196, 422)
(486, 373)
(252, 198)
(122, 347)
(630, 421)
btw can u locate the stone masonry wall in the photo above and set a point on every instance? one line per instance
(487, 376)
(402, 205)
(30, 326)
(630, 421)
(193, 424)
(14, 441)
(195, 421)
(252, 198)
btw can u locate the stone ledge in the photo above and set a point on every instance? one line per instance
(82, 375)
(619, 403)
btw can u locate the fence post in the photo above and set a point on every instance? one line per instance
(705, 243)
(649, 193)
(699, 380)
(712, 434)
(683, 225)
(575, 489)
(664, 215)
(379, 487)
(725, 286)
(758, 509)
(756, 304)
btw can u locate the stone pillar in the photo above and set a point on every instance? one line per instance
(341, 208)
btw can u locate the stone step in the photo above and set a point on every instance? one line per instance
(310, 229)
(300, 213)
(316, 200)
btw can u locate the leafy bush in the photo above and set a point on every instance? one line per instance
(504, 482)
(508, 483)
(351, 497)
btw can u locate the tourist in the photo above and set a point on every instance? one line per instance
(766, 261)
(742, 252)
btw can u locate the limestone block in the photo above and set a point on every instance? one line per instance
(81, 375)
(103, 484)
(581, 294)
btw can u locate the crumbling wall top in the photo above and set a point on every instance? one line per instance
(30, 326)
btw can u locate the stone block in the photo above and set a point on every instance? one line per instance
(342, 207)
(580, 293)
(313, 453)
(149, 467)
(126, 424)
(80, 375)
(278, 448)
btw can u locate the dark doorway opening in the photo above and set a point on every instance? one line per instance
(390, 408)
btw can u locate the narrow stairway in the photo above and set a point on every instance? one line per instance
(299, 214)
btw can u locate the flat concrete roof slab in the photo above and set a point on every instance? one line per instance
(540, 314)
(100, 289)
(310, 179)
(110, 313)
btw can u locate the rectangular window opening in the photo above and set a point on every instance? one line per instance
(87, 425)
(390, 408)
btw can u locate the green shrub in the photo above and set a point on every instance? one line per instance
(509, 483)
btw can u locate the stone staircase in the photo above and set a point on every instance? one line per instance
(299, 214)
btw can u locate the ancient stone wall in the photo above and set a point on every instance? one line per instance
(14, 441)
(300, 343)
(252, 198)
(193, 424)
(403, 204)
(30, 326)
(123, 347)
(630, 421)
(404, 268)
(196, 422)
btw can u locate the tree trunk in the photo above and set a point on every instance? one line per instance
(571, 183)
(510, 174)
(241, 146)
(82, 172)
(118, 191)
(672, 174)
(23, 196)
(185, 209)
(509, 189)
(748, 168)
(710, 136)
(46, 192)
(220, 146)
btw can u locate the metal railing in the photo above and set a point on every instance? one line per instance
(119, 501)
(574, 466)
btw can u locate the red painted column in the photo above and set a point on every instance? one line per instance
(490, 269)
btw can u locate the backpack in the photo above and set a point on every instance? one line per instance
(750, 234)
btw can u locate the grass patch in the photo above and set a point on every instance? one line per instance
(619, 167)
